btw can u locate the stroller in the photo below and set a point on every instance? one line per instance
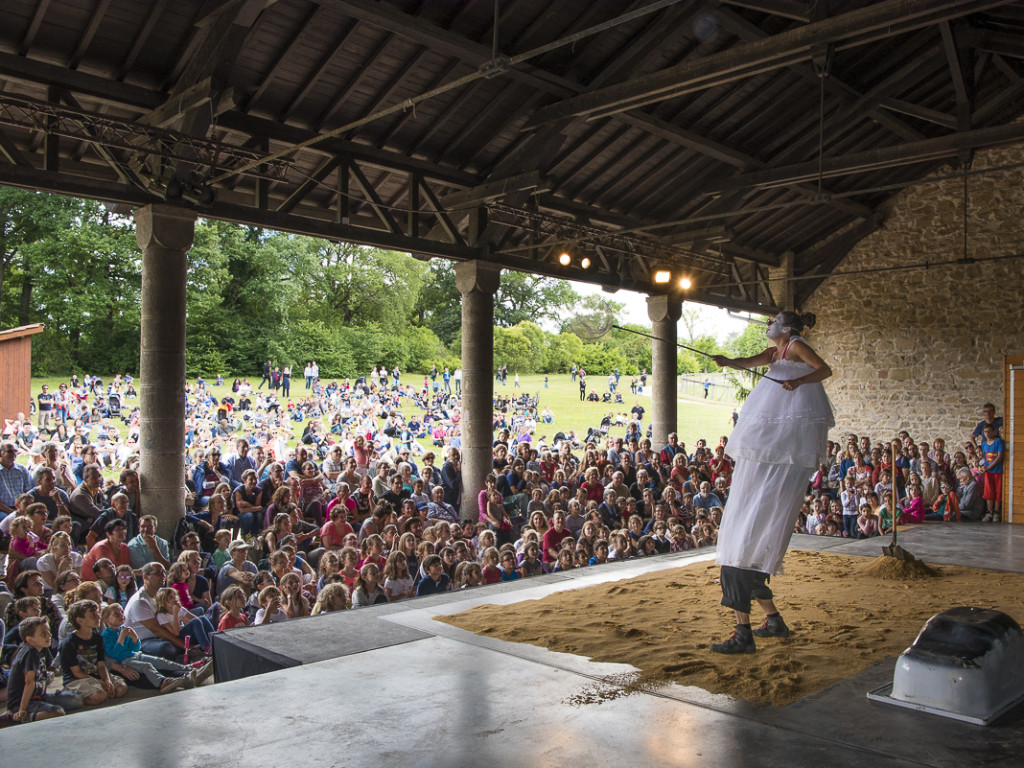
(114, 404)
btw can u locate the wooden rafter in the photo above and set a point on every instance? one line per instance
(856, 27)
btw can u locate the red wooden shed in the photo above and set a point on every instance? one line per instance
(16, 369)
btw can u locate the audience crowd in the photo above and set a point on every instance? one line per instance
(364, 508)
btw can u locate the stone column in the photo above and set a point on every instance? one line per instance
(478, 282)
(664, 311)
(165, 235)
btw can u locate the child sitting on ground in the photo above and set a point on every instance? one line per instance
(123, 588)
(83, 657)
(531, 565)
(171, 614)
(232, 603)
(491, 572)
(435, 580)
(121, 645)
(27, 699)
(367, 590)
(270, 607)
(221, 555)
(509, 566)
(24, 608)
(295, 604)
(398, 583)
(867, 523)
(333, 597)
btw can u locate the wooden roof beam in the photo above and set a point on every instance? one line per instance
(873, 160)
(921, 113)
(858, 27)
(381, 158)
(141, 39)
(90, 32)
(995, 41)
(747, 31)
(33, 27)
(788, 9)
(315, 179)
(495, 189)
(318, 72)
(95, 87)
(10, 150)
(283, 52)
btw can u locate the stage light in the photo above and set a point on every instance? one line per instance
(685, 283)
(565, 258)
(662, 276)
(585, 262)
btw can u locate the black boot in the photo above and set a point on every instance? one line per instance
(741, 641)
(772, 626)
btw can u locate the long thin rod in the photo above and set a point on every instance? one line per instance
(691, 349)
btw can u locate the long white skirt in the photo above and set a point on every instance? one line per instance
(758, 519)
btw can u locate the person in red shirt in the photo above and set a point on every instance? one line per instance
(232, 601)
(553, 538)
(113, 548)
(333, 532)
(491, 572)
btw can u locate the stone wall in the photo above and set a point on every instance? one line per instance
(923, 349)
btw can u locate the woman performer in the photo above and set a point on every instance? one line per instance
(778, 443)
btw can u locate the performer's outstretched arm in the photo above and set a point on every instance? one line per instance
(754, 361)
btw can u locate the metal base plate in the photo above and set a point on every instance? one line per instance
(884, 695)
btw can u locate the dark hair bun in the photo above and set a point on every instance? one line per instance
(808, 319)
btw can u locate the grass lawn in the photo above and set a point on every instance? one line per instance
(697, 417)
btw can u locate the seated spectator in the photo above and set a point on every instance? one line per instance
(969, 496)
(118, 510)
(27, 696)
(112, 548)
(238, 571)
(439, 509)
(147, 547)
(83, 658)
(87, 499)
(155, 639)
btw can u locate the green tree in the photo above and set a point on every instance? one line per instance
(355, 285)
(439, 305)
(512, 347)
(564, 350)
(750, 342)
(522, 296)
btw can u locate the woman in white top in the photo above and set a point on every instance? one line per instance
(60, 556)
(779, 441)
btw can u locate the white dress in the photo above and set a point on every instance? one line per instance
(778, 443)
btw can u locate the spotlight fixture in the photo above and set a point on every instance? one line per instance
(585, 262)
(565, 258)
(662, 275)
(685, 283)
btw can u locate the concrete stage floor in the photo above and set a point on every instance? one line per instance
(398, 689)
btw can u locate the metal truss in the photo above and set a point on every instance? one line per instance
(140, 141)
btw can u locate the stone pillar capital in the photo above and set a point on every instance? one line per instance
(164, 226)
(663, 307)
(476, 275)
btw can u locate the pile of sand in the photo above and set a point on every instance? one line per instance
(845, 615)
(892, 569)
